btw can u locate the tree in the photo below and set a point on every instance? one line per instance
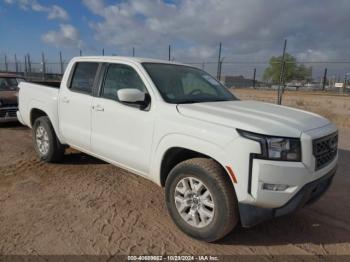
(303, 72)
(292, 70)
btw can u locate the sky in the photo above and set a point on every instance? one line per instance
(250, 30)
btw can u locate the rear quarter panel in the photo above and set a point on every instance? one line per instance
(44, 98)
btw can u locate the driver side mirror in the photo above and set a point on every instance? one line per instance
(134, 96)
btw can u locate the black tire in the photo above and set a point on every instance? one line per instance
(226, 214)
(55, 150)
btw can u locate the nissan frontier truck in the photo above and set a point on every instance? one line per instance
(222, 161)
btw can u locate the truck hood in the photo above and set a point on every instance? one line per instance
(257, 117)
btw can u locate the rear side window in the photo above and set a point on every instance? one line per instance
(84, 77)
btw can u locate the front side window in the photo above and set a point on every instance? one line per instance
(184, 84)
(119, 77)
(8, 84)
(84, 77)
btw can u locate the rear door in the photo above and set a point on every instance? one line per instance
(75, 102)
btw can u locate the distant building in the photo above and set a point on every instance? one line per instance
(239, 81)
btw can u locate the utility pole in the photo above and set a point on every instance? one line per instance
(29, 64)
(324, 79)
(80, 52)
(133, 51)
(220, 68)
(283, 65)
(61, 63)
(25, 66)
(169, 53)
(16, 63)
(254, 78)
(219, 63)
(103, 52)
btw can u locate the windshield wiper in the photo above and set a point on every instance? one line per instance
(189, 102)
(202, 101)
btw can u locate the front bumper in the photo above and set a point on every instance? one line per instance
(252, 215)
(8, 114)
(295, 175)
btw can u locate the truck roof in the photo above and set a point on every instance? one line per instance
(126, 59)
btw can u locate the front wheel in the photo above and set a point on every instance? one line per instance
(201, 199)
(46, 143)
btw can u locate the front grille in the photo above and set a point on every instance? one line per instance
(8, 112)
(325, 150)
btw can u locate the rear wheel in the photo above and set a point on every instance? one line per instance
(46, 143)
(201, 199)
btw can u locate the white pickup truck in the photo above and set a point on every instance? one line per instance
(221, 160)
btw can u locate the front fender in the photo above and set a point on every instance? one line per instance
(187, 142)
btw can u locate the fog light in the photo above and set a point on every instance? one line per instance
(274, 187)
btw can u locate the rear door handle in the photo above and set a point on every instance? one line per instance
(99, 108)
(65, 100)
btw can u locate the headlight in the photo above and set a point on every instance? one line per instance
(276, 148)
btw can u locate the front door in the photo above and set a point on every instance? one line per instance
(121, 132)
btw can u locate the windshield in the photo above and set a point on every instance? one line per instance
(8, 84)
(183, 84)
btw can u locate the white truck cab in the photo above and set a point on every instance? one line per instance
(221, 160)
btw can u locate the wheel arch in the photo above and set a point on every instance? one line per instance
(37, 111)
(174, 156)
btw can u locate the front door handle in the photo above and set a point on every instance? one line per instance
(99, 108)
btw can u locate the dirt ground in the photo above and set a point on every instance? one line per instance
(85, 206)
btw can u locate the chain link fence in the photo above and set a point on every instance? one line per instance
(328, 76)
(35, 71)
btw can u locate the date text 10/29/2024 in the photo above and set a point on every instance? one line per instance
(173, 258)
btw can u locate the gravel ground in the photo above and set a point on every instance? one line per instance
(85, 206)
